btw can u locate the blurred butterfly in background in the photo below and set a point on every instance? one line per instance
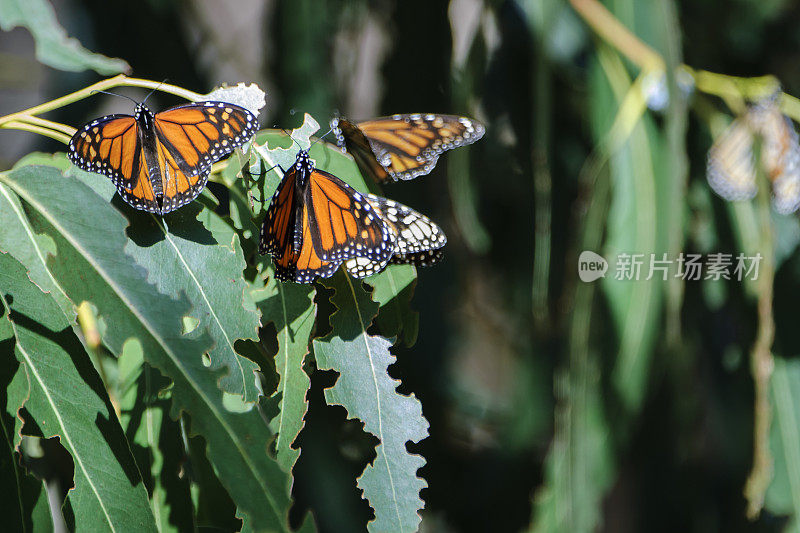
(159, 162)
(316, 221)
(780, 152)
(418, 240)
(402, 147)
(731, 169)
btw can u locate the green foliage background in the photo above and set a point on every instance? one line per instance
(493, 392)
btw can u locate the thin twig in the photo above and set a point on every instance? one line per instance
(117, 81)
(47, 132)
(57, 126)
(761, 366)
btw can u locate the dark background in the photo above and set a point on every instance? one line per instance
(483, 366)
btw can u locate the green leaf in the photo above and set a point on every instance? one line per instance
(53, 47)
(285, 157)
(392, 290)
(91, 263)
(155, 439)
(783, 494)
(202, 259)
(215, 509)
(635, 226)
(368, 393)
(579, 467)
(241, 204)
(210, 275)
(291, 308)
(66, 399)
(22, 491)
(30, 249)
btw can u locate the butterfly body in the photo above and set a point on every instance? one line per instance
(316, 221)
(161, 161)
(145, 129)
(403, 146)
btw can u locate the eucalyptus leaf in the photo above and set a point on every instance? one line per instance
(23, 492)
(91, 263)
(636, 222)
(783, 494)
(53, 47)
(366, 390)
(392, 290)
(57, 385)
(203, 260)
(291, 308)
(154, 438)
(284, 158)
(31, 249)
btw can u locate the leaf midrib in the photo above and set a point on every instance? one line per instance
(285, 350)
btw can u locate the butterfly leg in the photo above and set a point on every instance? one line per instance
(261, 175)
(247, 177)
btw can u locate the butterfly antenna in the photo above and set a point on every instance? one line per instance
(154, 90)
(320, 138)
(284, 130)
(115, 94)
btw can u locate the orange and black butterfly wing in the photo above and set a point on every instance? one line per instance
(418, 240)
(405, 146)
(351, 139)
(177, 187)
(285, 235)
(189, 139)
(198, 134)
(111, 146)
(342, 222)
(414, 231)
(279, 227)
(305, 265)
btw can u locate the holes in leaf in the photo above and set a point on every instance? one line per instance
(190, 324)
(235, 404)
(206, 360)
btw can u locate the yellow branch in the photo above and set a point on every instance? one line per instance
(117, 81)
(616, 34)
(57, 126)
(735, 91)
(47, 132)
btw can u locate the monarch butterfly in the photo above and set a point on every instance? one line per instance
(731, 160)
(161, 161)
(402, 147)
(316, 221)
(780, 153)
(418, 240)
(731, 168)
